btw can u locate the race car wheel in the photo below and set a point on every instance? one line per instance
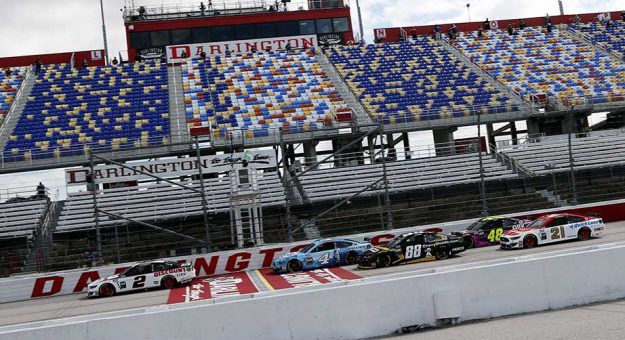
(529, 242)
(168, 282)
(583, 234)
(294, 266)
(351, 258)
(468, 242)
(107, 290)
(383, 261)
(442, 254)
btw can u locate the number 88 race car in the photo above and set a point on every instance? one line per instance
(412, 247)
(551, 229)
(165, 274)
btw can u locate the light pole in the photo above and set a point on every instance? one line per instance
(106, 48)
(571, 159)
(469, 11)
(479, 150)
(362, 30)
(561, 7)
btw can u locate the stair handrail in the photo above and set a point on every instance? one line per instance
(516, 166)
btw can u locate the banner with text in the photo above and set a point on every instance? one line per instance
(193, 51)
(173, 167)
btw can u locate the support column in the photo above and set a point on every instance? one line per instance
(533, 126)
(310, 153)
(490, 135)
(444, 140)
(404, 137)
(390, 146)
(513, 133)
(569, 124)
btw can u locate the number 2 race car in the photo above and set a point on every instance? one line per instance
(487, 231)
(412, 247)
(551, 229)
(321, 254)
(165, 274)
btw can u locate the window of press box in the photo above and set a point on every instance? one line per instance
(307, 27)
(159, 38)
(265, 30)
(201, 35)
(287, 28)
(340, 24)
(140, 39)
(223, 33)
(324, 26)
(181, 36)
(244, 32)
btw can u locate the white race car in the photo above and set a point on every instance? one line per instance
(144, 275)
(553, 228)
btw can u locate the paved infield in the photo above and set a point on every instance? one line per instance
(253, 281)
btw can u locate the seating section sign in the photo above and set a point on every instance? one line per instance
(173, 167)
(176, 53)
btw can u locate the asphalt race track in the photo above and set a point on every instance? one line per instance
(77, 304)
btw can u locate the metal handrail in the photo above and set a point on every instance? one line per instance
(17, 97)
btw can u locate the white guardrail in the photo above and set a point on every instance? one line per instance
(40, 285)
(367, 307)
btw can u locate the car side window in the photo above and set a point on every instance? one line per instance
(136, 270)
(417, 239)
(496, 224)
(147, 269)
(324, 247)
(559, 221)
(342, 244)
(159, 266)
(575, 219)
(430, 238)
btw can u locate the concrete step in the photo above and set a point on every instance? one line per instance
(177, 120)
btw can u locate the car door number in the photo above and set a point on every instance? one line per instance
(495, 234)
(557, 233)
(413, 251)
(324, 259)
(139, 281)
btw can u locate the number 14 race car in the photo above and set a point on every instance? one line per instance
(165, 274)
(551, 229)
(412, 247)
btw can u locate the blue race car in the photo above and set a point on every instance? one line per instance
(320, 254)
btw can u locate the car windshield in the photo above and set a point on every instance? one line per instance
(476, 225)
(538, 223)
(307, 248)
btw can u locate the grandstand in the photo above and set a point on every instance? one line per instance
(73, 110)
(535, 63)
(256, 93)
(9, 84)
(610, 39)
(416, 80)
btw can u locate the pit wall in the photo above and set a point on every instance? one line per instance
(369, 307)
(75, 281)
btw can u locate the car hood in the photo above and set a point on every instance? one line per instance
(518, 232)
(287, 255)
(375, 250)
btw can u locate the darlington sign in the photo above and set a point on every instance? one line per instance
(174, 53)
(173, 167)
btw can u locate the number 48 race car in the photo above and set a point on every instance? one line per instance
(412, 247)
(551, 229)
(165, 274)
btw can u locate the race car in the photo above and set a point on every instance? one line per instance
(144, 275)
(553, 228)
(487, 231)
(412, 247)
(320, 254)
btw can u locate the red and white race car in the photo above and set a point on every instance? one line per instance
(551, 229)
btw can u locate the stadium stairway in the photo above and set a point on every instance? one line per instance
(178, 125)
(362, 116)
(16, 109)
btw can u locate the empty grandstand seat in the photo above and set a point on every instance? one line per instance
(414, 81)
(260, 92)
(19, 219)
(535, 62)
(102, 108)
